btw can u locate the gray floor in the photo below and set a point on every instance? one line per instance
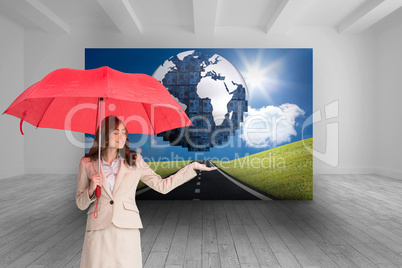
(354, 221)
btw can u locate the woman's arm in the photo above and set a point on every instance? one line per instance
(156, 182)
(82, 196)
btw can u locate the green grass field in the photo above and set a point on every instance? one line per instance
(285, 172)
(164, 169)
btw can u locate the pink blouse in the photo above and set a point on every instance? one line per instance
(111, 170)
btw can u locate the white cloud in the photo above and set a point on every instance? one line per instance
(270, 125)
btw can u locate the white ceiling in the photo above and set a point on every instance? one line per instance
(197, 16)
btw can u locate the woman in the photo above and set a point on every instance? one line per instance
(112, 237)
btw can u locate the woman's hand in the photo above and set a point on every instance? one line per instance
(96, 180)
(196, 165)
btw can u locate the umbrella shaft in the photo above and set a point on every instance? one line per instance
(100, 133)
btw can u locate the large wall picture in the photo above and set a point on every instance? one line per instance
(250, 110)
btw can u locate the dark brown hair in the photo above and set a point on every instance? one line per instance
(110, 124)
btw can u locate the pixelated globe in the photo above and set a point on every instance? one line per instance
(211, 91)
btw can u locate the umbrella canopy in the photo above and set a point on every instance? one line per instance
(69, 99)
(78, 100)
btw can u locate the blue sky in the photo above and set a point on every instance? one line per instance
(279, 82)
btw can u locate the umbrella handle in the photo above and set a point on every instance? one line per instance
(97, 194)
(98, 191)
(22, 120)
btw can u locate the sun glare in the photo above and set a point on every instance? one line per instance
(260, 77)
(255, 77)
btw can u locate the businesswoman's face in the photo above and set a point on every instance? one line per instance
(118, 137)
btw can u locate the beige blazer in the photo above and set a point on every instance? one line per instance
(119, 207)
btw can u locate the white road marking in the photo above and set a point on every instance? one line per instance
(197, 191)
(199, 183)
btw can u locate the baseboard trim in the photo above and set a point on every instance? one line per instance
(391, 173)
(320, 171)
(11, 172)
(51, 170)
(395, 174)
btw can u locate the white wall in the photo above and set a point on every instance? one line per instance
(343, 70)
(11, 84)
(387, 112)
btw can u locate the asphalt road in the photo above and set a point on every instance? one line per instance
(207, 185)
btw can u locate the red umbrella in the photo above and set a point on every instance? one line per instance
(69, 99)
(78, 100)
